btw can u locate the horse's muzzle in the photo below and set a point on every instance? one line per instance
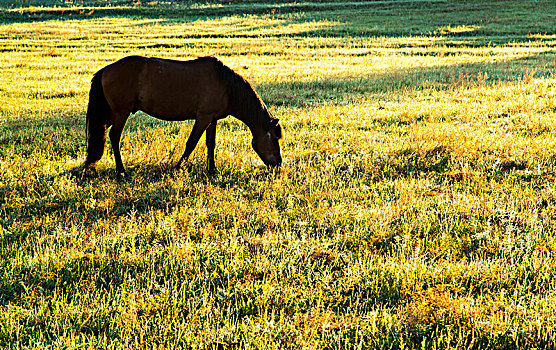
(274, 164)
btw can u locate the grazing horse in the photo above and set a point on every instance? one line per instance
(203, 89)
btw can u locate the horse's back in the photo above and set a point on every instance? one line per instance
(167, 89)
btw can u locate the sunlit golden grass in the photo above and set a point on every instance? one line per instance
(415, 207)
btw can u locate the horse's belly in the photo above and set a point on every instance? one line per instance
(168, 106)
(169, 116)
(180, 101)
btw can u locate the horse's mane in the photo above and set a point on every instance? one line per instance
(244, 100)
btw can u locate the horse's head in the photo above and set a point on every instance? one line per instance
(265, 143)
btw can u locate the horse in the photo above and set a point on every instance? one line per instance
(203, 89)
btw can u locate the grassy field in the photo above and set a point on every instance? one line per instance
(416, 207)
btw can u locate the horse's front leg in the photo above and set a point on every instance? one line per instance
(201, 124)
(211, 144)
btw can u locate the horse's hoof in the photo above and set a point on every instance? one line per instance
(85, 170)
(181, 166)
(122, 175)
(77, 169)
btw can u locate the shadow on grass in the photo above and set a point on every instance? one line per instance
(341, 90)
(184, 12)
(148, 187)
(485, 23)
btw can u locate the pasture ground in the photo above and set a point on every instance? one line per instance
(416, 207)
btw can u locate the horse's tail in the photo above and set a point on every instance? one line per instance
(98, 112)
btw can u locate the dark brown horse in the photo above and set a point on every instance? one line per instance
(203, 89)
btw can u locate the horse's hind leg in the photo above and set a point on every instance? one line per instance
(199, 128)
(115, 134)
(211, 143)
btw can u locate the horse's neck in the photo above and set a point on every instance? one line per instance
(250, 118)
(251, 124)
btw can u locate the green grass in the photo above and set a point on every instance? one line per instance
(416, 207)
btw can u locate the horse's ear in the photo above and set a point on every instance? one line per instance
(279, 131)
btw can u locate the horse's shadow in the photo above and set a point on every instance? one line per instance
(155, 186)
(194, 172)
